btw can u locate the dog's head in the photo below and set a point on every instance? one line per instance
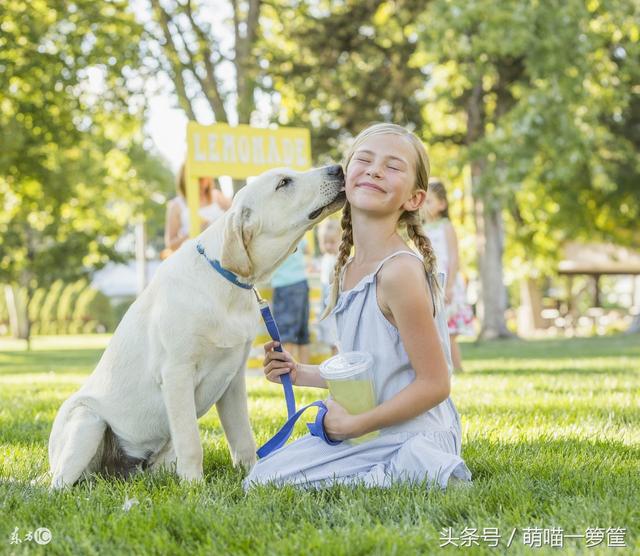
(269, 216)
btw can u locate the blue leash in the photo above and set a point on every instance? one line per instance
(280, 438)
(317, 427)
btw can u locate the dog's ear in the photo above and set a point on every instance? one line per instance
(235, 244)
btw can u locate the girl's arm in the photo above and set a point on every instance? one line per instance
(454, 256)
(172, 236)
(403, 295)
(277, 363)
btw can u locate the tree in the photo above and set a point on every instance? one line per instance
(337, 67)
(527, 85)
(72, 162)
(527, 95)
(196, 58)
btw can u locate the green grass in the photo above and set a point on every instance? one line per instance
(551, 434)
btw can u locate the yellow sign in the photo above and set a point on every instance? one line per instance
(240, 152)
(243, 151)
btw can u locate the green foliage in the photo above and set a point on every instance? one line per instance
(47, 318)
(121, 308)
(73, 308)
(367, 71)
(92, 312)
(75, 168)
(36, 304)
(555, 86)
(551, 79)
(67, 303)
(4, 312)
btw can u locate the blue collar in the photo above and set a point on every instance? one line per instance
(223, 271)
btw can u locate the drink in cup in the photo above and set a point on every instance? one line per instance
(350, 380)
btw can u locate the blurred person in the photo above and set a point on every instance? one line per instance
(291, 302)
(329, 234)
(213, 204)
(442, 234)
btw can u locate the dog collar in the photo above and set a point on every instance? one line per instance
(230, 276)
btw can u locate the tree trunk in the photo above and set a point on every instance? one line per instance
(530, 310)
(493, 293)
(489, 229)
(18, 316)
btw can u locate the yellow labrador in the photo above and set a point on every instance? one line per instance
(183, 345)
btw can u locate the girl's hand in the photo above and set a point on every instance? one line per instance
(278, 363)
(339, 424)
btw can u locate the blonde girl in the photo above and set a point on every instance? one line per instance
(386, 301)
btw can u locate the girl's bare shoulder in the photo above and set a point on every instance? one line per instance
(403, 270)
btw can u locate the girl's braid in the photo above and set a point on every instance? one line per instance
(343, 254)
(423, 243)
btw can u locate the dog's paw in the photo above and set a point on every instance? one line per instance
(244, 461)
(58, 483)
(191, 474)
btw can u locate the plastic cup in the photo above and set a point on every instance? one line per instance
(350, 380)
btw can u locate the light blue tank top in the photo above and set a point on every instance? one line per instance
(362, 326)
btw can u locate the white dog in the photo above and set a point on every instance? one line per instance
(183, 345)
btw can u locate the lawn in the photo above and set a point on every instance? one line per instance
(551, 434)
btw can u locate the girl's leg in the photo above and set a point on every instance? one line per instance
(456, 356)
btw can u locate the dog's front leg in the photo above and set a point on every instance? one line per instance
(234, 416)
(179, 400)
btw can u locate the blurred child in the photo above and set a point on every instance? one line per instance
(443, 237)
(329, 237)
(291, 302)
(213, 204)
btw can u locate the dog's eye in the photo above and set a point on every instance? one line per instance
(283, 183)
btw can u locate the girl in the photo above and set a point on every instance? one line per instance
(384, 300)
(445, 244)
(329, 239)
(213, 204)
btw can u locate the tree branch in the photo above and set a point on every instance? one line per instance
(173, 57)
(209, 84)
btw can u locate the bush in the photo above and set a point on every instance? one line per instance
(4, 313)
(91, 327)
(93, 305)
(71, 308)
(121, 308)
(48, 313)
(35, 305)
(67, 303)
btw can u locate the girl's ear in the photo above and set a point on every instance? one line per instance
(416, 200)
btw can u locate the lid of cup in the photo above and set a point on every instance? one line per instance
(344, 365)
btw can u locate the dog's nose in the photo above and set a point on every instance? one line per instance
(335, 171)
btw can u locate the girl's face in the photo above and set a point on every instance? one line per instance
(381, 176)
(206, 184)
(434, 205)
(329, 243)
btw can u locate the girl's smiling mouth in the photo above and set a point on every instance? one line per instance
(370, 185)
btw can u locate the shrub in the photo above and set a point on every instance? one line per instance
(93, 305)
(67, 303)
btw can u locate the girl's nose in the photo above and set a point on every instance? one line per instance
(374, 170)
